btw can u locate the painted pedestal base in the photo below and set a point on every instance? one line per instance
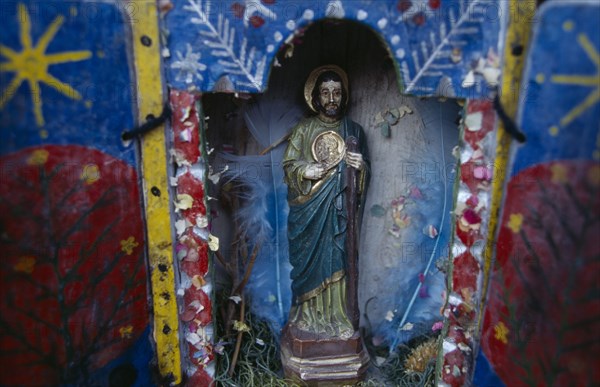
(323, 361)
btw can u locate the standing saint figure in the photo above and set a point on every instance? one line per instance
(315, 164)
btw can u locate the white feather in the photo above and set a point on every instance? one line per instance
(263, 213)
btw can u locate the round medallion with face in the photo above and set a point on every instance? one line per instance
(328, 149)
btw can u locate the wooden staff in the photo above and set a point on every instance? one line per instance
(351, 250)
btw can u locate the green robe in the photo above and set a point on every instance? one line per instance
(318, 217)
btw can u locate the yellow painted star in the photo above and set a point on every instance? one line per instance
(560, 173)
(127, 245)
(126, 331)
(501, 332)
(25, 264)
(38, 157)
(90, 174)
(592, 81)
(515, 222)
(31, 64)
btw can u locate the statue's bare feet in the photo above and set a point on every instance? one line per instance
(329, 330)
(303, 325)
(346, 333)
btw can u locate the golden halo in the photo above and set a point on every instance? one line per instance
(312, 79)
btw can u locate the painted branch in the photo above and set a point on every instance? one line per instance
(351, 238)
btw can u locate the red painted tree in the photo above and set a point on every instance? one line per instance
(543, 313)
(72, 275)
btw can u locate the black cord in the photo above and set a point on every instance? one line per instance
(147, 126)
(509, 125)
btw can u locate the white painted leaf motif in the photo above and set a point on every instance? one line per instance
(432, 58)
(242, 60)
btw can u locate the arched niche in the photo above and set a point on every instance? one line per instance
(406, 223)
(442, 47)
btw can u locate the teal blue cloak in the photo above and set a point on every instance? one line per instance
(318, 216)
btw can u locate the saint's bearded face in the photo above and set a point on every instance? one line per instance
(330, 98)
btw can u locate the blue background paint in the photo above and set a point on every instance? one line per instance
(422, 36)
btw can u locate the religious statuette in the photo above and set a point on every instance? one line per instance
(326, 166)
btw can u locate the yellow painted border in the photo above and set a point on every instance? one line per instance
(521, 19)
(146, 49)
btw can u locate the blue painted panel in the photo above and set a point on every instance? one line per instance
(73, 296)
(439, 45)
(85, 95)
(560, 104)
(542, 302)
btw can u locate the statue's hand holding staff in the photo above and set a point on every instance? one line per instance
(355, 160)
(315, 171)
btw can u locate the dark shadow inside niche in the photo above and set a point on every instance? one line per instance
(409, 154)
(352, 46)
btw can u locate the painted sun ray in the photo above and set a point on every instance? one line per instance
(577, 80)
(25, 30)
(8, 53)
(68, 56)
(589, 49)
(591, 99)
(8, 67)
(10, 90)
(47, 37)
(61, 87)
(37, 103)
